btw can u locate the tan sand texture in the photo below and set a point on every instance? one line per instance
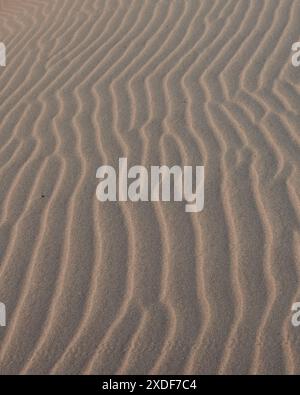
(94, 288)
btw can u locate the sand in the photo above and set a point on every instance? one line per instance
(132, 288)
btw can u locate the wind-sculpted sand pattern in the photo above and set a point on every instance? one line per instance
(94, 288)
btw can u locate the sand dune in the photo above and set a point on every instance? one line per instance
(132, 288)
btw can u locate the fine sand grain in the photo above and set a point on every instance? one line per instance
(94, 288)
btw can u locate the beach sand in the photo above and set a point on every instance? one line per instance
(146, 288)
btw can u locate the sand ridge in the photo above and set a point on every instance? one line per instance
(122, 287)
